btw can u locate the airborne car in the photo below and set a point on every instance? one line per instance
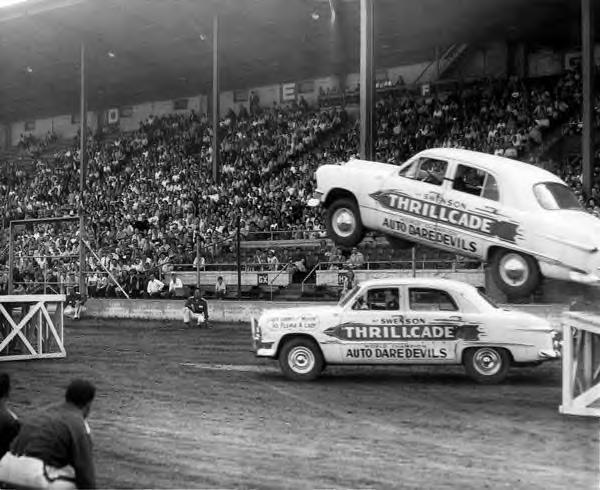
(522, 220)
(405, 321)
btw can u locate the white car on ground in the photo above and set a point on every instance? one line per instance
(405, 321)
(523, 221)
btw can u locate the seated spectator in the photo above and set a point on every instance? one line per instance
(335, 258)
(272, 260)
(175, 287)
(220, 288)
(356, 259)
(155, 287)
(196, 310)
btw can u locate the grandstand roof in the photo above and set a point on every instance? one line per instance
(162, 48)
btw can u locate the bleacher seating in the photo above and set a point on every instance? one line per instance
(150, 197)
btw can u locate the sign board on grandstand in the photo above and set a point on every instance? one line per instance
(288, 92)
(573, 58)
(112, 116)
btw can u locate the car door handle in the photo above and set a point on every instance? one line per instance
(455, 317)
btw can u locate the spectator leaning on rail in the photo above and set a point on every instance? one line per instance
(9, 423)
(196, 308)
(175, 286)
(53, 449)
(356, 260)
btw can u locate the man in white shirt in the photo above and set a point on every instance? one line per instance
(220, 288)
(155, 287)
(175, 287)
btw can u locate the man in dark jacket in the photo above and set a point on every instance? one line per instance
(54, 448)
(196, 309)
(9, 424)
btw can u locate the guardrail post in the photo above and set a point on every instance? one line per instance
(239, 258)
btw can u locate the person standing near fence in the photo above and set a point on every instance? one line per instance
(53, 449)
(9, 423)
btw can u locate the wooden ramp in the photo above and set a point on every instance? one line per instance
(31, 327)
(581, 364)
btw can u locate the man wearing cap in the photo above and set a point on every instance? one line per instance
(53, 450)
(196, 309)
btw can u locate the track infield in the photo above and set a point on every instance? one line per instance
(180, 407)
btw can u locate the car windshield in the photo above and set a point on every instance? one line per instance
(344, 300)
(554, 195)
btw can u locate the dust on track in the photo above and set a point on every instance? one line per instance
(181, 407)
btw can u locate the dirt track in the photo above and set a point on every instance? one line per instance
(227, 420)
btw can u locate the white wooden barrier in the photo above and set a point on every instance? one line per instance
(581, 364)
(31, 327)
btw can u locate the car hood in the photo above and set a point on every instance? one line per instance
(371, 167)
(299, 312)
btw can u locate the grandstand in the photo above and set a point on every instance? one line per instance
(109, 177)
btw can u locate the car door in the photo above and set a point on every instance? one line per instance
(365, 325)
(471, 213)
(405, 203)
(437, 324)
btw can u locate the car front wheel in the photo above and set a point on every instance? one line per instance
(301, 359)
(516, 275)
(487, 365)
(344, 225)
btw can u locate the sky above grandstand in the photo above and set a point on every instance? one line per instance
(141, 50)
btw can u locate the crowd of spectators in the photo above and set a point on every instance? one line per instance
(151, 200)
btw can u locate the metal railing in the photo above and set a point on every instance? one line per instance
(452, 265)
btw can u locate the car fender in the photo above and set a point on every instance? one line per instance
(290, 335)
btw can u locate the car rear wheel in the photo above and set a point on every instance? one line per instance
(515, 274)
(487, 365)
(301, 359)
(344, 225)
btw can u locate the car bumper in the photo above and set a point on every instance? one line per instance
(259, 347)
(549, 355)
(583, 278)
(315, 199)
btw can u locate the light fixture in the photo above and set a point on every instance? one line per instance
(111, 54)
(202, 37)
(29, 69)
(315, 15)
(10, 3)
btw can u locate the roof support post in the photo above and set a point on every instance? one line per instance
(588, 66)
(216, 143)
(367, 74)
(82, 173)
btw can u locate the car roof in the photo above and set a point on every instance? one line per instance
(426, 282)
(495, 164)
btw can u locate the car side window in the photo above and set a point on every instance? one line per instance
(426, 299)
(386, 299)
(429, 170)
(476, 182)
